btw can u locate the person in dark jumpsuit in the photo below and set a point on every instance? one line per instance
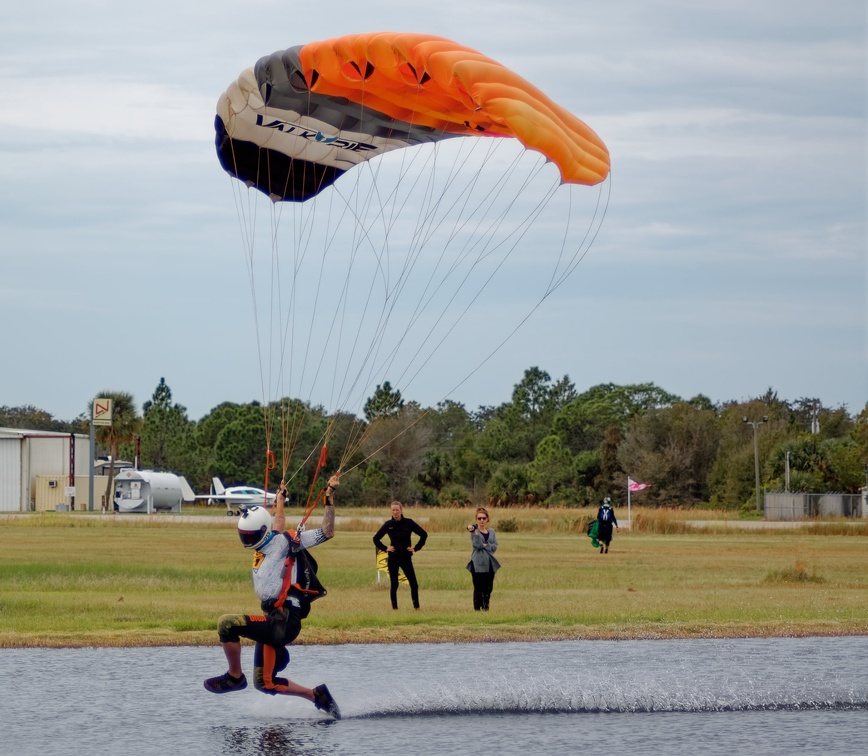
(400, 550)
(605, 520)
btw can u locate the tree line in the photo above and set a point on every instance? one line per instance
(549, 445)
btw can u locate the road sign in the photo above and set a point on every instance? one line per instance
(102, 412)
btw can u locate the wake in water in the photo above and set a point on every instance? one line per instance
(496, 708)
(622, 679)
(536, 699)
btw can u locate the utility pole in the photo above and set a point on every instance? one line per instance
(755, 424)
(787, 472)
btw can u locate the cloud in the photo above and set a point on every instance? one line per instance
(91, 105)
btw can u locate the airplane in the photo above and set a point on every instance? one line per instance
(237, 498)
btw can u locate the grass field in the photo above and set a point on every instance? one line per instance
(70, 580)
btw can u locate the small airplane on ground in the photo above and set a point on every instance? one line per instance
(237, 498)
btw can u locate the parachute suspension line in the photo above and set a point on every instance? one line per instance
(293, 415)
(246, 213)
(416, 420)
(271, 374)
(388, 221)
(464, 253)
(578, 257)
(355, 205)
(383, 274)
(584, 246)
(528, 221)
(329, 237)
(561, 273)
(594, 226)
(392, 290)
(289, 414)
(459, 316)
(424, 232)
(361, 237)
(425, 228)
(334, 294)
(293, 419)
(269, 465)
(313, 500)
(273, 303)
(362, 211)
(293, 412)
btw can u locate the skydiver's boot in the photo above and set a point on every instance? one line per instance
(323, 701)
(225, 683)
(486, 597)
(477, 600)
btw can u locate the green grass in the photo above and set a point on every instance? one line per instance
(70, 580)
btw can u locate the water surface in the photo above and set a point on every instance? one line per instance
(771, 696)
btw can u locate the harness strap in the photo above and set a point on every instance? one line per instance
(287, 576)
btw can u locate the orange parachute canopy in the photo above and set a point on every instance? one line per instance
(297, 120)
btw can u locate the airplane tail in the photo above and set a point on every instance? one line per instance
(217, 489)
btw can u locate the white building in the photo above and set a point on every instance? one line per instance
(26, 455)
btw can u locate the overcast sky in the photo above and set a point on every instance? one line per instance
(732, 257)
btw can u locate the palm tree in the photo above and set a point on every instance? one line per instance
(125, 425)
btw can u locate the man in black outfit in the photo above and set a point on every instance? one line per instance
(605, 520)
(400, 552)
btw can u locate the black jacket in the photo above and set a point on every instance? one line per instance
(399, 532)
(605, 519)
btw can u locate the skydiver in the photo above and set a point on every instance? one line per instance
(605, 520)
(285, 581)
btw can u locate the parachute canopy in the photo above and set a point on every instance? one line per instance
(292, 124)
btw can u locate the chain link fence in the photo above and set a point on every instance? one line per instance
(799, 506)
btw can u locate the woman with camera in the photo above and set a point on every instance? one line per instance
(482, 564)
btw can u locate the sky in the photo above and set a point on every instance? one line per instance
(732, 257)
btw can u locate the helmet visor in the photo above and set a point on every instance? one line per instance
(251, 537)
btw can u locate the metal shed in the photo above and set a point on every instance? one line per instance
(26, 454)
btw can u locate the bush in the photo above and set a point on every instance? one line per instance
(454, 495)
(508, 525)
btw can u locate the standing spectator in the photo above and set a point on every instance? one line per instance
(605, 520)
(400, 551)
(482, 564)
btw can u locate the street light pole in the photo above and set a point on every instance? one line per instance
(755, 424)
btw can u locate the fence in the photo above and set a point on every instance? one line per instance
(796, 506)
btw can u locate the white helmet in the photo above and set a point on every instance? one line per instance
(254, 527)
